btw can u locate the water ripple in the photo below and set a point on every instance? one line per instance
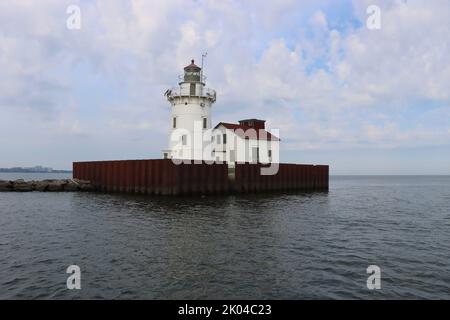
(270, 246)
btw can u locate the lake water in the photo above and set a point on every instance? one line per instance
(268, 246)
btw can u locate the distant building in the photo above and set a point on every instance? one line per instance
(192, 136)
(40, 169)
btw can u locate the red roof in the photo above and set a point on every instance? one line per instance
(247, 132)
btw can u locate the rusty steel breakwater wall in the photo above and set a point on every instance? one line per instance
(163, 177)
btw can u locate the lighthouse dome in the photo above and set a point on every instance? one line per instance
(192, 72)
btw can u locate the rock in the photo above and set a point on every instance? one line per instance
(56, 185)
(5, 185)
(86, 187)
(22, 186)
(71, 186)
(81, 181)
(41, 186)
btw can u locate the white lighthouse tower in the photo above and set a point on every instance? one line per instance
(191, 106)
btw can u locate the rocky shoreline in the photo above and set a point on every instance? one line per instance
(57, 185)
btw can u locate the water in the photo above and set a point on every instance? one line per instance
(278, 246)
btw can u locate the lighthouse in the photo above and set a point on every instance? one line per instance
(228, 157)
(190, 106)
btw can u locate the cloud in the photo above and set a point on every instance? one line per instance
(310, 68)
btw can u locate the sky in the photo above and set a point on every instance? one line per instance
(363, 100)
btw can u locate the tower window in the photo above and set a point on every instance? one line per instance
(192, 89)
(205, 123)
(184, 139)
(174, 122)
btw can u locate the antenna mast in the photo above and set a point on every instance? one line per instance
(203, 58)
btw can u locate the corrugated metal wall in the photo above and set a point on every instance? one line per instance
(288, 177)
(163, 177)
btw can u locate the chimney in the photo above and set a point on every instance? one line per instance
(253, 123)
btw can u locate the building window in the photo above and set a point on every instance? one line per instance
(269, 153)
(192, 89)
(218, 139)
(224, 138)
(205, 122)
(212, 138)
(184, 140)
(174, 123)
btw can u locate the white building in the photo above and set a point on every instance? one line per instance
(193, 138)
(247, 141)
